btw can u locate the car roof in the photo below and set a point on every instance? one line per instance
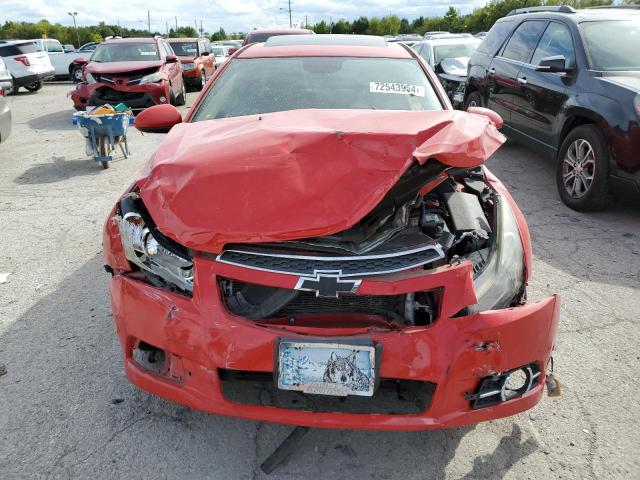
(621, 12)
(325, 46)
(283, 31)
(131, 40)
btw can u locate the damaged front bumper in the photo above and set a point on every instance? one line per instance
(206, 350)
(136, 97)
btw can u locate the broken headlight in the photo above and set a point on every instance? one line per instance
(161, 264)
(502, 279)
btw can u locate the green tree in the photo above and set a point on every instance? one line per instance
(321, 27)
(219, 35)
(341, 27)
(360, 26)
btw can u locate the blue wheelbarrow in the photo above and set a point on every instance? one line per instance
(104, 133)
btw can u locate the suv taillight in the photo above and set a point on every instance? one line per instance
(23, 60)
(1, 92)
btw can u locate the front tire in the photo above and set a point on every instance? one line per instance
(473, 100)
(76, 73)
(34, 87)
(582, 172)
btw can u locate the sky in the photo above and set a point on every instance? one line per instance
(232, 15)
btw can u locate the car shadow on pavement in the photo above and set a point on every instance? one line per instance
(570, 241)
(59, 169)
(60, 120)
(68, 411)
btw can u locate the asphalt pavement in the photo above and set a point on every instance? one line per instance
(67, 411)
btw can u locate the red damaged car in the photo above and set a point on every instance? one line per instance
(319, 243)
(139, 72)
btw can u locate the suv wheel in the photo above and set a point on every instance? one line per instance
(34, 87)
(473, 100)
(582, 173)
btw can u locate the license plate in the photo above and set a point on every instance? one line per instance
(327, 368)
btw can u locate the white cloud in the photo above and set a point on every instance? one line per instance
(232, 15)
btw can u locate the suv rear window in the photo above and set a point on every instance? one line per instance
(10, 50)
(495, 38)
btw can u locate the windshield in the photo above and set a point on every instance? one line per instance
(218, 51)
(612, 45)
(125, 52)
(184, 49)
(453, 51)
(261, 85)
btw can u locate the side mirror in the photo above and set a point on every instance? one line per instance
(171, 59)
(493, 116)
(80, 61)
(555, 64)
(205, 54)
(158, 119)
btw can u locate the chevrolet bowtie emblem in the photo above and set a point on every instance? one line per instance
(327, 284)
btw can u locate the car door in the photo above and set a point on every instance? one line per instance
(502, 75)
(540, 96)
(57, 57)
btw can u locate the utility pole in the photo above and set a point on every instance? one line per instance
(75, 25)
(290, 24)
(166, 24)
(306, 21)
(201, 30)
(149, 20)
(195, 22)
(176, 25)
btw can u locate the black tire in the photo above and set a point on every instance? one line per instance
(473, 100)
(583, 183)
(181, 99)
(33, 87)
(76, 73)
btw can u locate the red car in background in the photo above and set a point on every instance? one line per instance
(196, 56)
(139, 72)
(319, 243)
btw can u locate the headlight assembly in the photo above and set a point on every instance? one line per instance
(160, 262)
(502, 279)
(151, 78)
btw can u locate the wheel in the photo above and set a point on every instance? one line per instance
(202, 80)
(76, 73)
(34, 87)
(103, 150)
(582, 173)
(473, 100)
(181, 99)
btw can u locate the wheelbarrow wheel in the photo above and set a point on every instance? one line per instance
(103, 149)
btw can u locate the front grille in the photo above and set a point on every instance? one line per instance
(308, 302)
(259, 302)
(128, 79)
(392, 397)
(348, 266)
(111, 95)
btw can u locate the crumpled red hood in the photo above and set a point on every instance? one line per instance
(296, 174)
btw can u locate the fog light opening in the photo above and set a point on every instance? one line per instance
(149, 357)
(163, 99)
(516, 383)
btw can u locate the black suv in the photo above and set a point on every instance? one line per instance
(568, 81)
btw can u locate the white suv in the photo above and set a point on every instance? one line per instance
(28, 65)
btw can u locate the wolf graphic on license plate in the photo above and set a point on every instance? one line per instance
(326, 369)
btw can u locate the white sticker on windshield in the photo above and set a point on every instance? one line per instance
(147, 53)
(397, 88)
